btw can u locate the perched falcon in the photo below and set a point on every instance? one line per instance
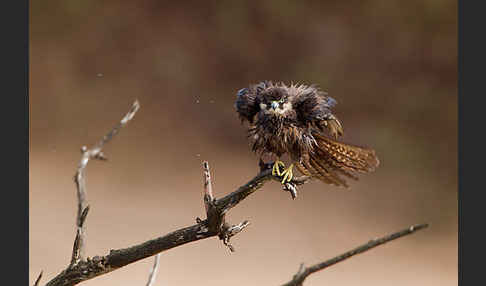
(297, 120)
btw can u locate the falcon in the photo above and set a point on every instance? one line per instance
(297, 120)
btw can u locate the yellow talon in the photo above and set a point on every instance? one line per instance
(276, 168)
(288, 174)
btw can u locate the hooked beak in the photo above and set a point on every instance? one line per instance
(274, 105)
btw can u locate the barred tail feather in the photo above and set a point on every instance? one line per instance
(348, 157)
(331, 160)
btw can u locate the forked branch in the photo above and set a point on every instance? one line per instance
(79, 248)
(215, 225)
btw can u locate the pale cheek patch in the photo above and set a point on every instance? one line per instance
(286, 107)
(263, 106)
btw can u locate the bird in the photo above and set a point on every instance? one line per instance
(297, 120)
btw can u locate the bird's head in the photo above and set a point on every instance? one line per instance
(275, 101)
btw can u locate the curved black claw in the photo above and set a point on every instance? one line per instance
(291, 188)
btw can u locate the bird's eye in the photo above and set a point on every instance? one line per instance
(282, 100)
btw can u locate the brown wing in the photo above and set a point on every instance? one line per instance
(331, 160)
(247, 104)
(320, 170)
(313, 107)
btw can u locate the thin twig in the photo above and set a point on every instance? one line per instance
(228, 231)
(38, 279)
(79, 247)
(208, 188)
(153, 270)
(79, 236)
(303, 272)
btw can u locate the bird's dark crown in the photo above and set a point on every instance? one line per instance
(274, 94)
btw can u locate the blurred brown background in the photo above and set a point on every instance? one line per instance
(391, 65)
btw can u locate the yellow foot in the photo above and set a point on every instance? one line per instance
(288, 174)
(276, 168)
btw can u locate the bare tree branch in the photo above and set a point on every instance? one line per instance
(153, 271)
(216, 216)
(303, 272)
(215, 224)
(79, 248)
(229, 201)
(38, 279)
